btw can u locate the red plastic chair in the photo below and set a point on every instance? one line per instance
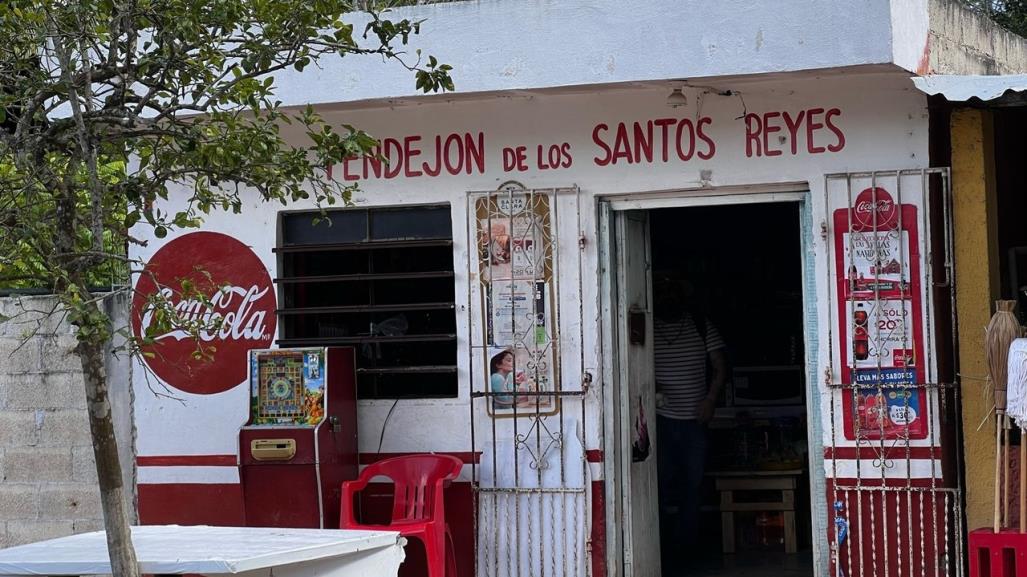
(417, 507)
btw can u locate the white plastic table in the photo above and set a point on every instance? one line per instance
(174, 549)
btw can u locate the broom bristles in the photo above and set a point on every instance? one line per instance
(1000, 334)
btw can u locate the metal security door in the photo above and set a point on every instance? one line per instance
(529, 386)
(891, 440)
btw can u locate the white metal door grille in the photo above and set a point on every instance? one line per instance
(892, 452)
(531, 484)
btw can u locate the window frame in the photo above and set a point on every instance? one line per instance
(370, 378)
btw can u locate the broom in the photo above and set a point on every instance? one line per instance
(1017, 409)
(1000, 333)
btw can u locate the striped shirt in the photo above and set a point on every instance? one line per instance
(680, 363)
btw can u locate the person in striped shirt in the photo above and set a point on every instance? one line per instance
(691, 369)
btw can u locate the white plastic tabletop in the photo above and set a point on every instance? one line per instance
(206, 550)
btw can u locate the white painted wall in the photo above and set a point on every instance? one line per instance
(528, 44)
(910, 24)
(883, 117)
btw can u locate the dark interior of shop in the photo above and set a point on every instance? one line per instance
(744, 265)
(1011, 181)
(380, 280)
(1010, 184)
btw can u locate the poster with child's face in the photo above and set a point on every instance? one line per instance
(515, 376)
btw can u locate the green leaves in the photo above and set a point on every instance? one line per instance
(1011, 14)
(175, 118)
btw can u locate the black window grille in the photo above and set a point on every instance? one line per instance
(380, 280)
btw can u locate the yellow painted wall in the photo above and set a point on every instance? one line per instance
(977, 287)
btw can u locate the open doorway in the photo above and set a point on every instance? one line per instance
(734, 491)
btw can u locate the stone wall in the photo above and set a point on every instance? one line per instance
(47, 472)
(964, 42)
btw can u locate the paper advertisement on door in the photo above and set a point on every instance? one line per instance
(880, 319)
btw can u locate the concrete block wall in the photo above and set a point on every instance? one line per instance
(47, 472)
(965, 42)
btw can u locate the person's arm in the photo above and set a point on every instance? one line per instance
(718, 364)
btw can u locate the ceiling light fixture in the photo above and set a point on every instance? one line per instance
(677, 99)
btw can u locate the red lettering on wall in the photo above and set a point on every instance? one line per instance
(665, 124)
(393, 153)
(455, 153)
(807, 124)
(374, 162)
(454, 146)
(410, 151)
(432, 170)
(711, 146)
(769, 127)
(640, 141)
(753, 128)
(475, 152)
(811, 128)
(793, 124)
(621, 147)
(682, 154)
(515, 159)
(596, 138)
(834, 128)
(644, 142)
(567, 161)
(346, 174)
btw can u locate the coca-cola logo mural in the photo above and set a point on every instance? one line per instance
(874, 209)
(215, 283)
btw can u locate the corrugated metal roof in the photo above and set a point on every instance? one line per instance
(963, 88)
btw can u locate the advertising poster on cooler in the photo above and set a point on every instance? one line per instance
(880, 299)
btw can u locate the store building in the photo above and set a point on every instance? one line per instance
(778, 157)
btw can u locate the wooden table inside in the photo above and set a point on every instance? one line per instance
(728, 482)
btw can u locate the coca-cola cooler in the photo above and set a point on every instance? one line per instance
(300, 443)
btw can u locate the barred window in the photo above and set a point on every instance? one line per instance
(380, 280)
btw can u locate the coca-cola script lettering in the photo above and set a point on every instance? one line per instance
(866, 218)
(235, 313)
(225, 317)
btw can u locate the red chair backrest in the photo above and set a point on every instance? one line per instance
(416, 479)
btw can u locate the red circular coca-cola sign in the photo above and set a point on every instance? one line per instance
(214, 283)
(874, 209)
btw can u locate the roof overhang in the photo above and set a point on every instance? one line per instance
(1004, 90)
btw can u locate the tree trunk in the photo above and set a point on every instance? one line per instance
(108, 465)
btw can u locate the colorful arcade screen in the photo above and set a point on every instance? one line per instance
(287, 387)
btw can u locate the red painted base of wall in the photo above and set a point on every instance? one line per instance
(598, 529)
(204, 504)
(191, 504)
(895, 532)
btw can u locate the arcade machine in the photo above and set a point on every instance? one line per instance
(300, 443)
